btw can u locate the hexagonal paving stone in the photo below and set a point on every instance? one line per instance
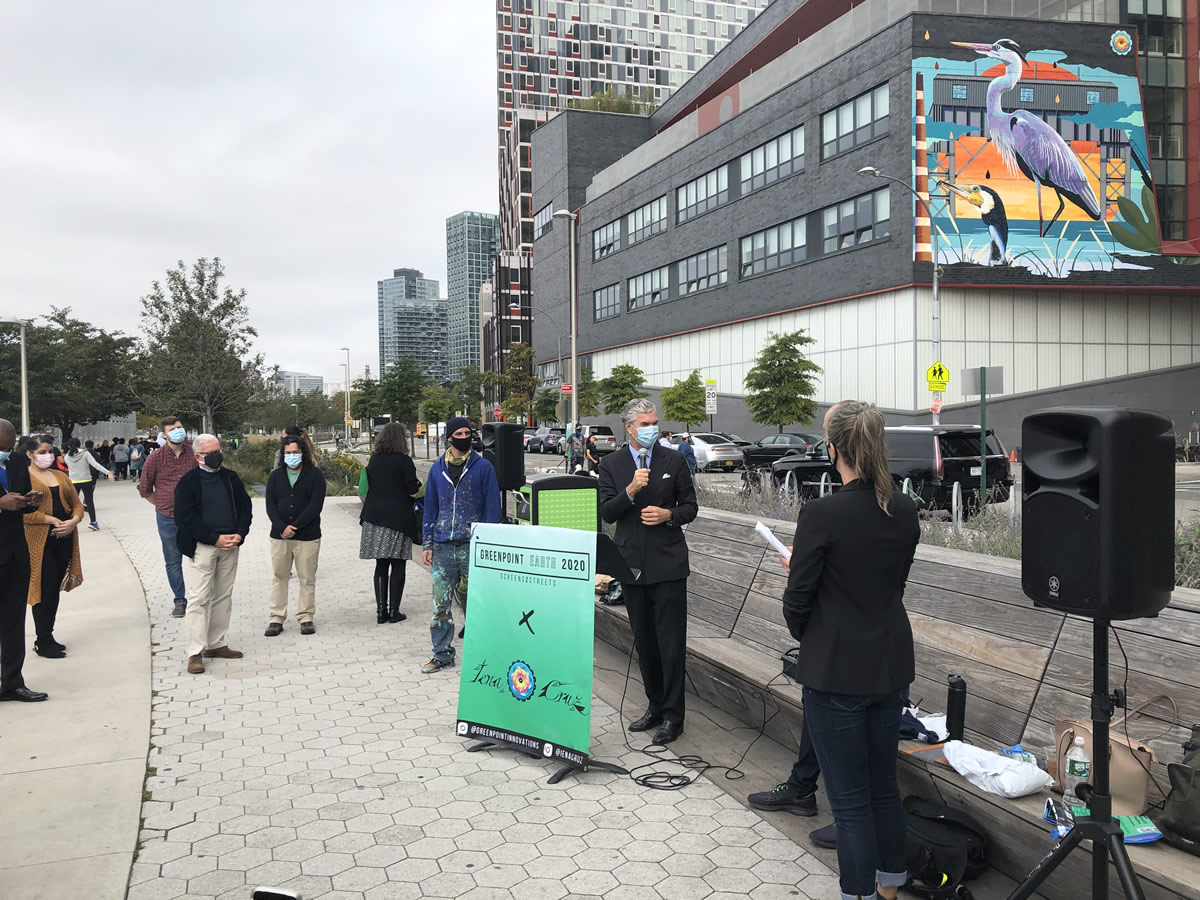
(327, 864)
(220, 881)
(600, 859)
(683, 887)
(412, 869)
(551, 868)
(735, 836)
(271, 836)
(590, 881)
(607, 838)
(448, 884)
(690, 864)
(159, 889)
(499, 876)
(189, 867)
(541, 889)
(734, 857)
(359, 878)
(734, 881)
(645, 874)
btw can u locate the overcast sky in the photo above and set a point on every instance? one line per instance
(313, 146)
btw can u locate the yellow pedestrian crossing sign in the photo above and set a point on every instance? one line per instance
(938, 377)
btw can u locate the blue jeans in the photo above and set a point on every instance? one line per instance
(171, 555)
(450, 565)
(857, 739)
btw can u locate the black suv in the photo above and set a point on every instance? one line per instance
(932, 457)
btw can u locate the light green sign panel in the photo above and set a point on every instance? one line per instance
(526, 677)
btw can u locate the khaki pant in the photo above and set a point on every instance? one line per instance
(304, 555)
(206, 622)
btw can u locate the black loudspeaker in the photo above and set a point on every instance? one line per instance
(1098, 517)
(503, 448)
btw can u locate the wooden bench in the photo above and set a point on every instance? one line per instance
(1024, 668)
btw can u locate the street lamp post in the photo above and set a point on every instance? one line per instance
(516, 307)
(567, 214)
(347, 422)
(24, 323)
(872, 172)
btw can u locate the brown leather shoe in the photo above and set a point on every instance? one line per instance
(195, 665)
(223, 653)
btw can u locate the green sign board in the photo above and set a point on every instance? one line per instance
(526, 677)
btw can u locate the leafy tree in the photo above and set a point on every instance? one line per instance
(197, 340)
(545, 405)
(608, 100)
(467, 390)
(365, 399)
(77, 373)
(684, 400)
(517, 381)
(622, 385)
(436, 405)
(400, 391)
(588, 393)
(781, 385)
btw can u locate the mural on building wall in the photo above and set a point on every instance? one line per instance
(1029, 157)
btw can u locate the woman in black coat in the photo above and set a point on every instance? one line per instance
(295, 498)
(389, 525)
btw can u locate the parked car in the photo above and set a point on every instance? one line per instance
(713, 451)
(767, 449)
(545, 440)
(606, 441)
(932, 457)
(525, 436)
(733, 438)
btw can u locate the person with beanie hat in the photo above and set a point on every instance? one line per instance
(461, 490)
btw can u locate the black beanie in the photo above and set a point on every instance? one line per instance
(456, 423)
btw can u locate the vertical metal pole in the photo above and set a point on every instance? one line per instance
(24, 385)
(937, 306)
(558, 365)
(574, 325)
(347, 398)
(1100, 806)
(983, 448)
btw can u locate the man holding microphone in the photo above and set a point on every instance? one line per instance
(647, 490)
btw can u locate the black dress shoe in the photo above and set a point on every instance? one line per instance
(669, 732)
(825, 837)
(274, 629)
(49, 652)
(23, 694)
(646, 722)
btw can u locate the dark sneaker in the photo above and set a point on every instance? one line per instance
(274, 629)
(94, 526)
(179, 610)
(785, 798)
(824, 837)
(308, 628)
(436, 665)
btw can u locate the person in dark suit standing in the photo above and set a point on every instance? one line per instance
(16, 502)
(844, 603)
(647, 490)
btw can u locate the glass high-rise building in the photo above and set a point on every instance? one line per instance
(470, 250)
(413, 321)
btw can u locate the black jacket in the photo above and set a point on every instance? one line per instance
(297, 505)
(845, 596)
(658, 551)
(12, 525)
(189, 510)
(391, 482)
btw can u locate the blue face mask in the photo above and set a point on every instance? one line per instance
(4, 455)
(176, 435)
(293, 460)
(647, 435)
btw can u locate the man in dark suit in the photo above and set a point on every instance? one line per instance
(16, 501)
(647, 490)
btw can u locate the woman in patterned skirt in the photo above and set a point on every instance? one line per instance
(389, 525)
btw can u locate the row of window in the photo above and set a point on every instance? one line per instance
(850, 223)
(647, 221)
(542, 221)
(606, 240)
(700, 195)
(860, 120)
(775, 159)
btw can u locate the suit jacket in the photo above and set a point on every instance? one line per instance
(189, 510)
(12, 524)
(845, 596)
(659, 551)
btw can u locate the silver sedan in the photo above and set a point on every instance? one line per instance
(713, 451)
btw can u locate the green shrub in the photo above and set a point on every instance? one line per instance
(341, 473)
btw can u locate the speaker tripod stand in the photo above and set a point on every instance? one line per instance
(1099, 827)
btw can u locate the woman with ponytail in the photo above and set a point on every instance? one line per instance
(845, 605)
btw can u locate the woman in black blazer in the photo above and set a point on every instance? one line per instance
(389, 525)
(845, 605)
(295, 498)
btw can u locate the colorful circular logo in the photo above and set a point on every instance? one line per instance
(520, 680)
(1121, 43)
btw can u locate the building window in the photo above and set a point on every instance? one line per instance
(649, 288)
(702, 271)
(543, 221)
(775, 248)
(1093, 97)
(857, 221)
(646, 221)
(606, 302)
(1026, 95)
(514, 334)
(699, 196)
(862, 119)
(958, 91)
(606, 240)
(775, 159)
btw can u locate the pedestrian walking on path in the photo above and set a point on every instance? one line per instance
(137, 458)
(17, 501)
(295, 497)
(212, 517)
(80, 465)
(162, 472)
(120, 458)
(461, 490)
(389, 522)
(53, 540)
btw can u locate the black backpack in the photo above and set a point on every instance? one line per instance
(944, 847)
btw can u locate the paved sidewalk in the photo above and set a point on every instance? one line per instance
(329, 764)
(72, 768)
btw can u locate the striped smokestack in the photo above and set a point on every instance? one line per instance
(924, 252)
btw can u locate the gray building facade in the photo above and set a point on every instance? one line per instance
(413, 321)
(471, 244)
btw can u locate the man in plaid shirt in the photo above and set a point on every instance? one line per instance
(162, 471)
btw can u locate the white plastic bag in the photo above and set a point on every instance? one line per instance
(995, 773)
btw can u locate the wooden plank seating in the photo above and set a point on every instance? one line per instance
(1024, 668)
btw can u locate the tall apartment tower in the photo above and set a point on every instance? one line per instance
(413, 321)
(470, 249)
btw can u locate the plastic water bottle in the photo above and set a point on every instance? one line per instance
(1079, 771)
